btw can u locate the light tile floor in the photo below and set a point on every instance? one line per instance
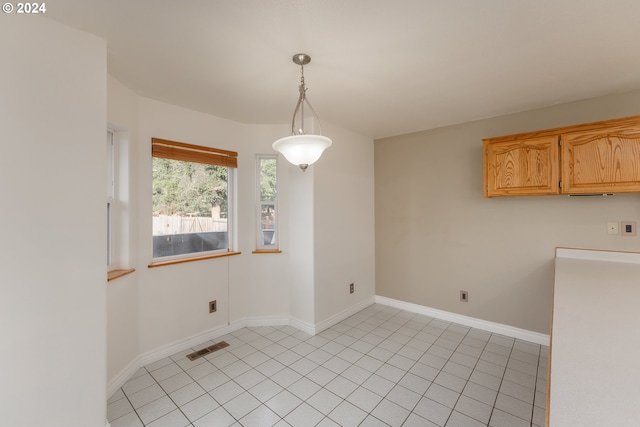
(380, 367)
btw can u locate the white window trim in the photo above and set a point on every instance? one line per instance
(232, 222)
(260, 246)
(111, 159)
(118, 180)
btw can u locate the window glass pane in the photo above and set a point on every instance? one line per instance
(268, 219)
(190, 207)
(267, 194)
(110, 192)
(111, 161)
(108, 234)
(268, 179)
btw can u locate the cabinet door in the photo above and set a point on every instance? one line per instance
(521, 167)
(601, 161)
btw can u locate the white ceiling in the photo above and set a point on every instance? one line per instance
(379, 67)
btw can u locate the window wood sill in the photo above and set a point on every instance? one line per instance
(114, 274)
(190, 259)
(267, 251)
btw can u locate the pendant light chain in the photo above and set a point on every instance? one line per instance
(303, 91)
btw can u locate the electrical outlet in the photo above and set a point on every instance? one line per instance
(351, 288)
(628, 228)
(464, 296)
(213, 306)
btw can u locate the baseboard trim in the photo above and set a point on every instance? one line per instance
(337, 318)
(307, 327)
(194, 340)
(253, 322)
(498, 328)
(177, 346)
(123, 376)
(183, 344)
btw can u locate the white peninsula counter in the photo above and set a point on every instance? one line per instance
(595, 340)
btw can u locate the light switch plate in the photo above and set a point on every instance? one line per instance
(628, 228)
(612, 228)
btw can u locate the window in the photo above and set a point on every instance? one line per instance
(193, 199)
(111, 190)
(118, 220)
(267, 202)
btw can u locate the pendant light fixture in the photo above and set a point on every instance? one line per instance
(306, 143)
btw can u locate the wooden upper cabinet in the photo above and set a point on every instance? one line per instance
(593, 158)
(601, 161)
(518, 168)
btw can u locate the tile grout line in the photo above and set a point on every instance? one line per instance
(168, 395)
(126, 396)
(369, 413)
(501, 381)
(530, 421)
(447, 360)
(281, 418)
(352, 364)
(535, 386)
(406, 371)
(395, 327)
(468, 380)
(417, 360)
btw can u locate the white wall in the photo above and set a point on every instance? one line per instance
(262, 280)
(173, 299)
(53, 287)
(437, 235)
(169, 304)
(343, 223)
(301, 247)
(122, 294)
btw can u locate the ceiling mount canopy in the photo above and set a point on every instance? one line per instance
(306, 143)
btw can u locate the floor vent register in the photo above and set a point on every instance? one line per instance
(208, 350)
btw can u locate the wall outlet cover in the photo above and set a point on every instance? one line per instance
(628, 228)
(612, 228)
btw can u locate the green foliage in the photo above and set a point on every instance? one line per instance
(186, 188)
(268, 180)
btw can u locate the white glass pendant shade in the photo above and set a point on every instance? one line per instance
(306, 143)
(302, 150)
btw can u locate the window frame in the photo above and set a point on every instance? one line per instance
(180, 151)
(111, 197)
(261, 247)
(117, 195)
